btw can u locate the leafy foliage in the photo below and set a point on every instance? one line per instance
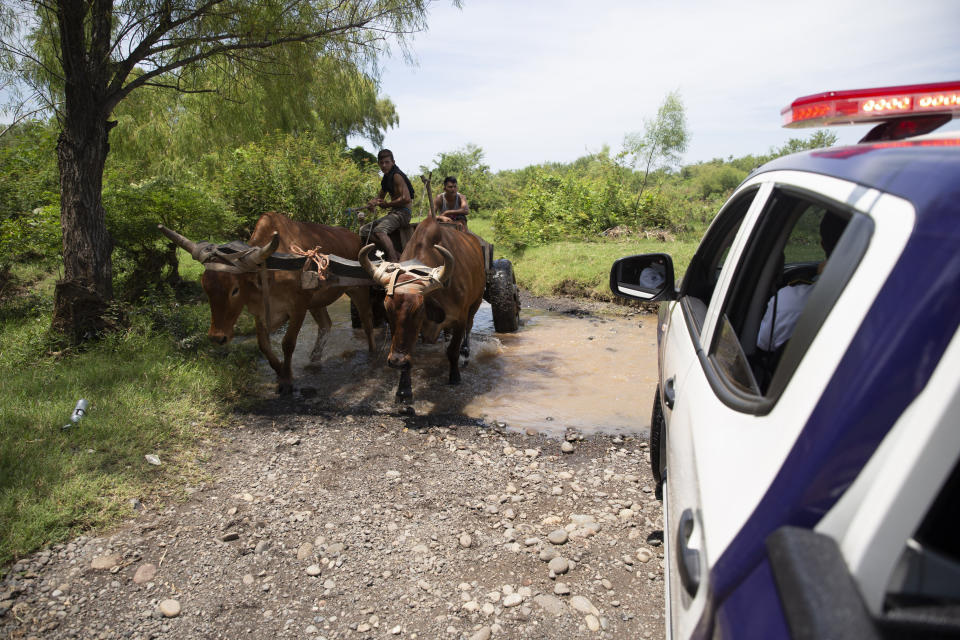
(474, 179)
(299, 176)
(29, 227)
(663, 141)
(32, 235)
(178, 200)
(551, 203)
(328, 98)
(819, 139)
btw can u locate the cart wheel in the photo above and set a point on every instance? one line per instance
(355, 316)
(504, 297)
(376, 307)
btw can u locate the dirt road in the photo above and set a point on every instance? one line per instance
(316, 522)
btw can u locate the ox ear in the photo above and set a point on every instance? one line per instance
(267, 251)
(189, 245)
(446, 269)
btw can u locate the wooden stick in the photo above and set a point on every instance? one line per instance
(426, 183)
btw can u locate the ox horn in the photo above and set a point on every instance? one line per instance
(267, 251)
(446, 269)
(189, 245)
(365, 261)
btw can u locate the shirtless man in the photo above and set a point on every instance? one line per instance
(450, 205)
(395, 183)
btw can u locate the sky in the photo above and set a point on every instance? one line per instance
(532, 81)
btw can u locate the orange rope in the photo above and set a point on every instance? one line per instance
(322, 260)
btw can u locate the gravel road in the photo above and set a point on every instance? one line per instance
(317, 522)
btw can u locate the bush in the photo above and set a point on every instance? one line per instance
(31, 235)
(143, 258)
(474, 179)
(550, 206)
(714, 179)
(29, 194)
(298, 176)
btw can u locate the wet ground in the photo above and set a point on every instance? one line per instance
(593, 373)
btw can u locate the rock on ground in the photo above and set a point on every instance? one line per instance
(329, 545)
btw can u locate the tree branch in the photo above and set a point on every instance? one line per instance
(225, 49)
(20, 118)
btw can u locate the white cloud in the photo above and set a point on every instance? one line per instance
(550, 81)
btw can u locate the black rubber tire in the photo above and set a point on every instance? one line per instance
(504, 297)
(355, 316)
(657, 445)
(376, 308)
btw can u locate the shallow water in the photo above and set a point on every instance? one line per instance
(594, 374)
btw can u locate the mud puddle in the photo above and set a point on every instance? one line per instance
(594, 374)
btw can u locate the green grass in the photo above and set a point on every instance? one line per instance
(483, 227)
(583, 268)
(154, 388)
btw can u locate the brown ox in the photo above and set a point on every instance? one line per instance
(229, 292)
(448, 300)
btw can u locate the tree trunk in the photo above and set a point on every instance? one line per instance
(82, 298)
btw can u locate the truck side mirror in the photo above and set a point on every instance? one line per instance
(647, 277)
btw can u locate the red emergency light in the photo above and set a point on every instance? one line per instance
(873, 105)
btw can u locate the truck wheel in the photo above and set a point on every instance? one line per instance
(657, 446)
(504, 297)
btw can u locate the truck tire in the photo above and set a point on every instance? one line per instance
(657, 445)
(504, 297)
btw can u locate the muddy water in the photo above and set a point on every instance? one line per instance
(595, 374)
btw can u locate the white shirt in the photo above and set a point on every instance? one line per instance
(790, 303)
(652, 277)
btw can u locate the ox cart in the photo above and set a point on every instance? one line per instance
(501, 289)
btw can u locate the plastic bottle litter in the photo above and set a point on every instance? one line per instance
(78, 412)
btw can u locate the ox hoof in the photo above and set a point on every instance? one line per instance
(403, 397)
(455, 380)
(285, 388)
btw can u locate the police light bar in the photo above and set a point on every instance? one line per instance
(873, 105)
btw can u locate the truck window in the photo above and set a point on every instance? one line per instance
(771, 288)
(707, 263)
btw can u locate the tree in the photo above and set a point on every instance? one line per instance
(662, 142)
(82, 58)
(819, 139)
(329, 99)
(472, 174)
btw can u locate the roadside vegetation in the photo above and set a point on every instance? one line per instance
(154, 387)
(153, 382)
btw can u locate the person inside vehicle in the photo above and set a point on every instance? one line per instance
(450, 205)
(397, 185)
(653, 276)
(784, 308)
